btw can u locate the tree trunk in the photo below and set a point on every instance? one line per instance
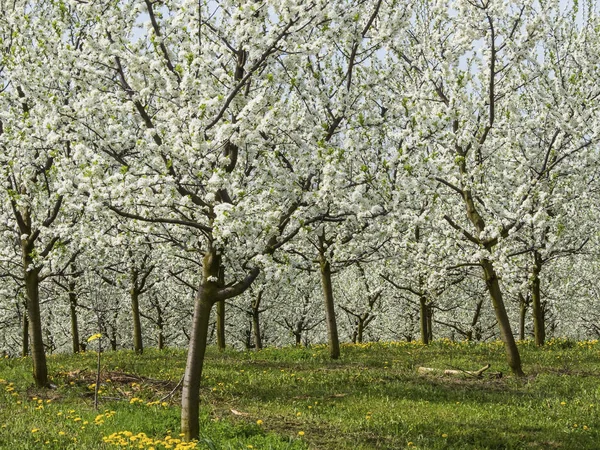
(25, 337)
(221, 325)
(190, 404)
(205, 299)
(360, 330)
(539, 326)
(114, 334)
(429, 322)
(298, 337)
(73, 311)
(40, 369)
(258, 345)
(522, 315)
(512, 352)
(424, 320)
(134, 293)
(161, 333)
(138, 346)
(332, 332)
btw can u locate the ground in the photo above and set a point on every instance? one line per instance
(290, 398)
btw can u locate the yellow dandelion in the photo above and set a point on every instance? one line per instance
(259, 422)
(93, 337)
(300, 433)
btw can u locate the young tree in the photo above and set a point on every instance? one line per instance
(184, 115)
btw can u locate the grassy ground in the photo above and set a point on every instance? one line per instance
(292, 398)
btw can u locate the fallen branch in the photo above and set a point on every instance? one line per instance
(458, 372)
(173, 391)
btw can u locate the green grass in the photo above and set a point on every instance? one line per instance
(293, 398)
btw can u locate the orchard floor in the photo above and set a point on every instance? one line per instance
(289, 398)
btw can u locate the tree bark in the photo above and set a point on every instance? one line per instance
(491, 281)
(161, 333)
(221, 325)
(512, 352)
(134, 294)
(138, 346)
(205, 299)
(190, 405)
(423, 319)
(522, 315)
(73, 311)
(332, 332)
(539, 326)
(25, 337)
(429, 322)
(256, 321)
(32, 281)
(113, 329)
(360, 330)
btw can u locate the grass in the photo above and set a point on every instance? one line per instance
(294, 398)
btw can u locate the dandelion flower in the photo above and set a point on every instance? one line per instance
(93, 337)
